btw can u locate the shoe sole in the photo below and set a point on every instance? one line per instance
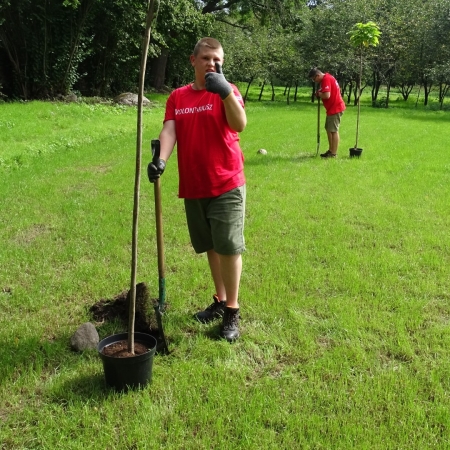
(205, 321)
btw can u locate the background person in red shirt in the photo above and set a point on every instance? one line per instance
(330, 94)
(203, 119)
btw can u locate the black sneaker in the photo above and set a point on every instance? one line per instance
(328, 154)
(230, 325)
(212, 312)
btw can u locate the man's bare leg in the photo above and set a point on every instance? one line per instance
(226, 273)
(333, 139)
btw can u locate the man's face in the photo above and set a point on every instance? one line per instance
(204, 61)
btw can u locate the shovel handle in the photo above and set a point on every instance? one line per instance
(156, 148)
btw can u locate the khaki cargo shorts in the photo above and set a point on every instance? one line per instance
(217, 222)
(332, 122)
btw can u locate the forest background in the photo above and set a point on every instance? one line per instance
(50, 48)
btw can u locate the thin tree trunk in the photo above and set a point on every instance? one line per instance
(248, 88)
(262, 90)
(359, 100)
(418, 94)
(158, 69)
(151, 11)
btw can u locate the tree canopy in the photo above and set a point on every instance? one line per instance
(49, 48)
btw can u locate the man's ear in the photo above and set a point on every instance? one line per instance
(192, 59)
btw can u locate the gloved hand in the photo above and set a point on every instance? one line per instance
(216, 83)
(154, 171)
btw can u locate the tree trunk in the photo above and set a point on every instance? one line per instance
(388, 91)
(158, 70)
(350, 90)
(359, 99)
(248, 88)
(443, 89)
(375, 86)
(418, 95)
(405, 90)
(355, 93)
(273, 90)
(426, 89)
(262, 90)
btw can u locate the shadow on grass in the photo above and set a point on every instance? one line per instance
(81, 388)
(266, 160)
(26, 355)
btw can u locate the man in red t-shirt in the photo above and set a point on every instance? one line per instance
(330, 94)
(203, 119)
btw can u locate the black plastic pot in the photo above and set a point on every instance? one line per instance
(131, 372)
(355, 152)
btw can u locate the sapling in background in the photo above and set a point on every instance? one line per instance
(363, 36)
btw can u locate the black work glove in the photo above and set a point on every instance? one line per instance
(154, 171)
(216, 83)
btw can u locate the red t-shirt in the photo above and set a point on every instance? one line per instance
(210, 160)
(334, 104)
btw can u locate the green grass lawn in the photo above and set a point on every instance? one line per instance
(345, 292)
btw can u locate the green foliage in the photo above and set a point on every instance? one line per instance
(93, 46)
(113, 62)
(187, 25)
(365, 35)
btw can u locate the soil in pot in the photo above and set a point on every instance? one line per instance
(119, 349)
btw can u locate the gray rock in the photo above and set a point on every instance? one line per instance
(130, 99)
(262, 151)
(71, 98)
(86, 337)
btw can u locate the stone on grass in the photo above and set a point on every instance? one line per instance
(86, 337)
(130, 99)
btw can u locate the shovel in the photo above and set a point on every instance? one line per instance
(160, 305)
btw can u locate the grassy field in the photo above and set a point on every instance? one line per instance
(345, 291)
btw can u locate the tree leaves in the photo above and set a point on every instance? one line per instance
(365, 35)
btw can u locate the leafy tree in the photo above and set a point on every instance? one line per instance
(44, 43)
(179, 26)
(244, 50)
(112, 64)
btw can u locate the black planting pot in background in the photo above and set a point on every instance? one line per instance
(132, 372)
(355, 152)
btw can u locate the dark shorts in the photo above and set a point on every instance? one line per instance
(332, 122)
(217, 222)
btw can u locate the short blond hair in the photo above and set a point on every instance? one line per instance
(207, 42)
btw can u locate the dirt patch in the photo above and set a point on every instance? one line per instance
(32, 233)
(107, 310)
